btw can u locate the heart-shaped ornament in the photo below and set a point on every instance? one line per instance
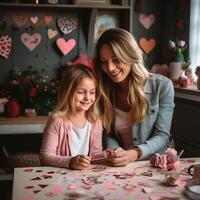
(147, 21)
(65, 46)
(147, 45)
(51, 33)
(48, 19)
(67, 24)
(31, 41)
(34, 19)
(5, 46)
(20, 19)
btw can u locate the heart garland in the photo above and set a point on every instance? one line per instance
(147, 45)
(31, 41)
(67, 24)
(65, 46)
(5, 46)
(147, 21)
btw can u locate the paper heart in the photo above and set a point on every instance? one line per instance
(20, 19)
(147, 45)
(5, 46)
(147, 21)
(65, 46)
(67, 24)
(48, 19)
(31, 41)
(34, 19)
(51, 33)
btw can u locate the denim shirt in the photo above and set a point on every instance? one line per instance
(152, 134)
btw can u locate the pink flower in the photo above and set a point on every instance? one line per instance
(172, 44)
(181, 43)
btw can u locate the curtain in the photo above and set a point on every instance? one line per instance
(194, 38)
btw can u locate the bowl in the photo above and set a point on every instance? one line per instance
(192, 189)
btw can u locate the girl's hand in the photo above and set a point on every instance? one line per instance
(121, 157)
(80, 162)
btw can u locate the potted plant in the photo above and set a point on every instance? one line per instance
(177, 51)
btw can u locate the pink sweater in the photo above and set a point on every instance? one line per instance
(55, 149)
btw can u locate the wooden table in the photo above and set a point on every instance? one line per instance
(135, 181)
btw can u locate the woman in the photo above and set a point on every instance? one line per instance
(136, 104)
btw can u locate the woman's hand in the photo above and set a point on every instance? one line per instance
(80, 162)
(121, 157)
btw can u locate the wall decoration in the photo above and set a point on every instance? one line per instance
(48, 19)
(51, 33)
(67, 24)
(147, 45)
(20, 19)
(34, 19)
(5, 46)
(147, 21)
(105, 21)
(65, 46)
(31, 41)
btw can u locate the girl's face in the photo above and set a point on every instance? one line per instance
(84, 95)
(116, 70)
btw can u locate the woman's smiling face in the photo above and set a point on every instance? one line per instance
(110, 64)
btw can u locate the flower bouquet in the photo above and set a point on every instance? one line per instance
(177, 49)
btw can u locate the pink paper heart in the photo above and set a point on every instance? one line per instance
(34, 19)
(31, 41)
(5, 46)
(65, 46)
(147, 21)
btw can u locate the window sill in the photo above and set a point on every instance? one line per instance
(189, 93)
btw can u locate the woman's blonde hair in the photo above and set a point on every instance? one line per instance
(128, 52)
(68, 85)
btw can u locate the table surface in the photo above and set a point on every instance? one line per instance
(135, 181)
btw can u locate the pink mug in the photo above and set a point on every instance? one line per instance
(194, 170)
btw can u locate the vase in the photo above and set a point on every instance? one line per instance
(198, 82)
(175, 70)
(12, 108)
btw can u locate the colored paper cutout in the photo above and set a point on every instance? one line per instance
(147, 45)
(67, 24)
(51, 33)
(65, 46)
(34, 19)
(147, 21)
(31, 41)
(48, 19)
(5, 46)
(20, 19)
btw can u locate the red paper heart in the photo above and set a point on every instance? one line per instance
(5, 46)
(65, 46)
(147, 45)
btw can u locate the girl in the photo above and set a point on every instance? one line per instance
(73, 134)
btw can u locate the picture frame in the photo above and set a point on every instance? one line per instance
(105, 20)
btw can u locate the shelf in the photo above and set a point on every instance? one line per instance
(6, 177)
(22, 125)
(70, 6)
(190, 93)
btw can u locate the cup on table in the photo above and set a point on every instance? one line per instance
(194, 170)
